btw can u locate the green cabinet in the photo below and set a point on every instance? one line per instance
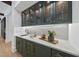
(57, 53)
(28, 48)
(19, 45)
(54, 53)
(24, 47)
(42, 51)
(31, 49)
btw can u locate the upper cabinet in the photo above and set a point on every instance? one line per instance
(48, 12)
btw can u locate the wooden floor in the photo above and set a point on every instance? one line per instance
(5, 49)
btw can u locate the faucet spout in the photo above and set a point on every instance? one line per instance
(27, 31)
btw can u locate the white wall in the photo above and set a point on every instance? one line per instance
(74, 28)
(8, 16)
(9, 27)
(13, 19)
(74, 35)
(16, 17)
(61, 30)
(75, 11)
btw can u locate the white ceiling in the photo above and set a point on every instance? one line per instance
(3, 8)
(22, 5)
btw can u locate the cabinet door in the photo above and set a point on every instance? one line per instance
(32, 49)
(55, 53)
(42, 51)
(63, 54)
(25, 54)
(19, 44)
(28, 48)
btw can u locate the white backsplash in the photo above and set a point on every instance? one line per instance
(60, 29)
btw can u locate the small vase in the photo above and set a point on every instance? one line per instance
(50, 38)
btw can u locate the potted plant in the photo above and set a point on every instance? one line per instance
(51, 35)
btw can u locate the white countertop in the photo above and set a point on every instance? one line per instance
(63, 45)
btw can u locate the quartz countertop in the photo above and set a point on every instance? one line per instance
(62, 45)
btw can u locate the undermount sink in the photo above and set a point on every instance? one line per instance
(24, 35)
(29, 35)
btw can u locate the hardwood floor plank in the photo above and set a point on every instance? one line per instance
(5, 49)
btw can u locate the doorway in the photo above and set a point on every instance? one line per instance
(3, 28)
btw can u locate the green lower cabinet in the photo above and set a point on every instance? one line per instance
(63, 54)
(42, 51)
(28, 48)
(57, 53)
(25, 54)
(19, 45)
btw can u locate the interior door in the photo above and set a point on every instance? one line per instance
(3, 27)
